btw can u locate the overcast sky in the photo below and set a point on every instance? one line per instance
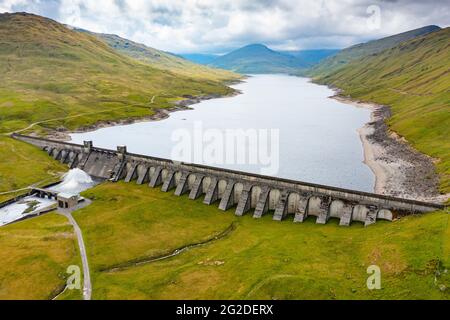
(217, 26)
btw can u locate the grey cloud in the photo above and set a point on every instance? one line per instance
(220, 25)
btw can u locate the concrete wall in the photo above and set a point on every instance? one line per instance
(249, 192)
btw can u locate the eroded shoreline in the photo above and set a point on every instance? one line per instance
(399, 170)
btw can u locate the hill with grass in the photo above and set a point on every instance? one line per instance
(413, 78)
(361, 50)
(160, 59)
(257, 58)
(52, 72)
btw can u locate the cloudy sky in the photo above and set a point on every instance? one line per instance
(216, 26)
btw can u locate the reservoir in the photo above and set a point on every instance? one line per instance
(309, 136)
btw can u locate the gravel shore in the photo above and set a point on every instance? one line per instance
(399, 170)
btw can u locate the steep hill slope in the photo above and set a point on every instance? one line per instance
(365, 49)
(257, 58)
(161, 59)
(414, 79)
(51, 72)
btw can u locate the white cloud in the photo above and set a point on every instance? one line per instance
(219, 25)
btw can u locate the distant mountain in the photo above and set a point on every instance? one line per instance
(200, 58)
(160, 59)
(365, 49)
(413, 78)
(311, 57)
(257, 58)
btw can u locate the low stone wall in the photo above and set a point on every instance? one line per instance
(246, 191)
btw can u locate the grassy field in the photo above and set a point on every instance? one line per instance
(34, 256)
(413, 79)
(257, 259)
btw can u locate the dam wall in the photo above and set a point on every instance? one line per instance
(246, 192)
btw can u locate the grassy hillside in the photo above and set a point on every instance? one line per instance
(361, 50)
(250, 258)
(35, 255)
(414, 79)
(51, 72)
(257, 58)
(162, 60)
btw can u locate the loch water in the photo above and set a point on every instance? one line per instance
(318, 140)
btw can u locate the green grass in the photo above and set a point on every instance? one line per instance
(413, 79)
(34, 255)
(259, 259)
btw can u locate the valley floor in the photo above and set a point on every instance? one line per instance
(128, 228)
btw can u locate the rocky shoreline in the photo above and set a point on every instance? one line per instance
(399, 170)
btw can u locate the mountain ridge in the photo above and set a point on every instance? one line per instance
(258, 58)
(360, 50)
(159, 59)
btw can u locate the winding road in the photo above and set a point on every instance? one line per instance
(87, 286)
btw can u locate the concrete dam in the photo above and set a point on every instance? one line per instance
(248, 192)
